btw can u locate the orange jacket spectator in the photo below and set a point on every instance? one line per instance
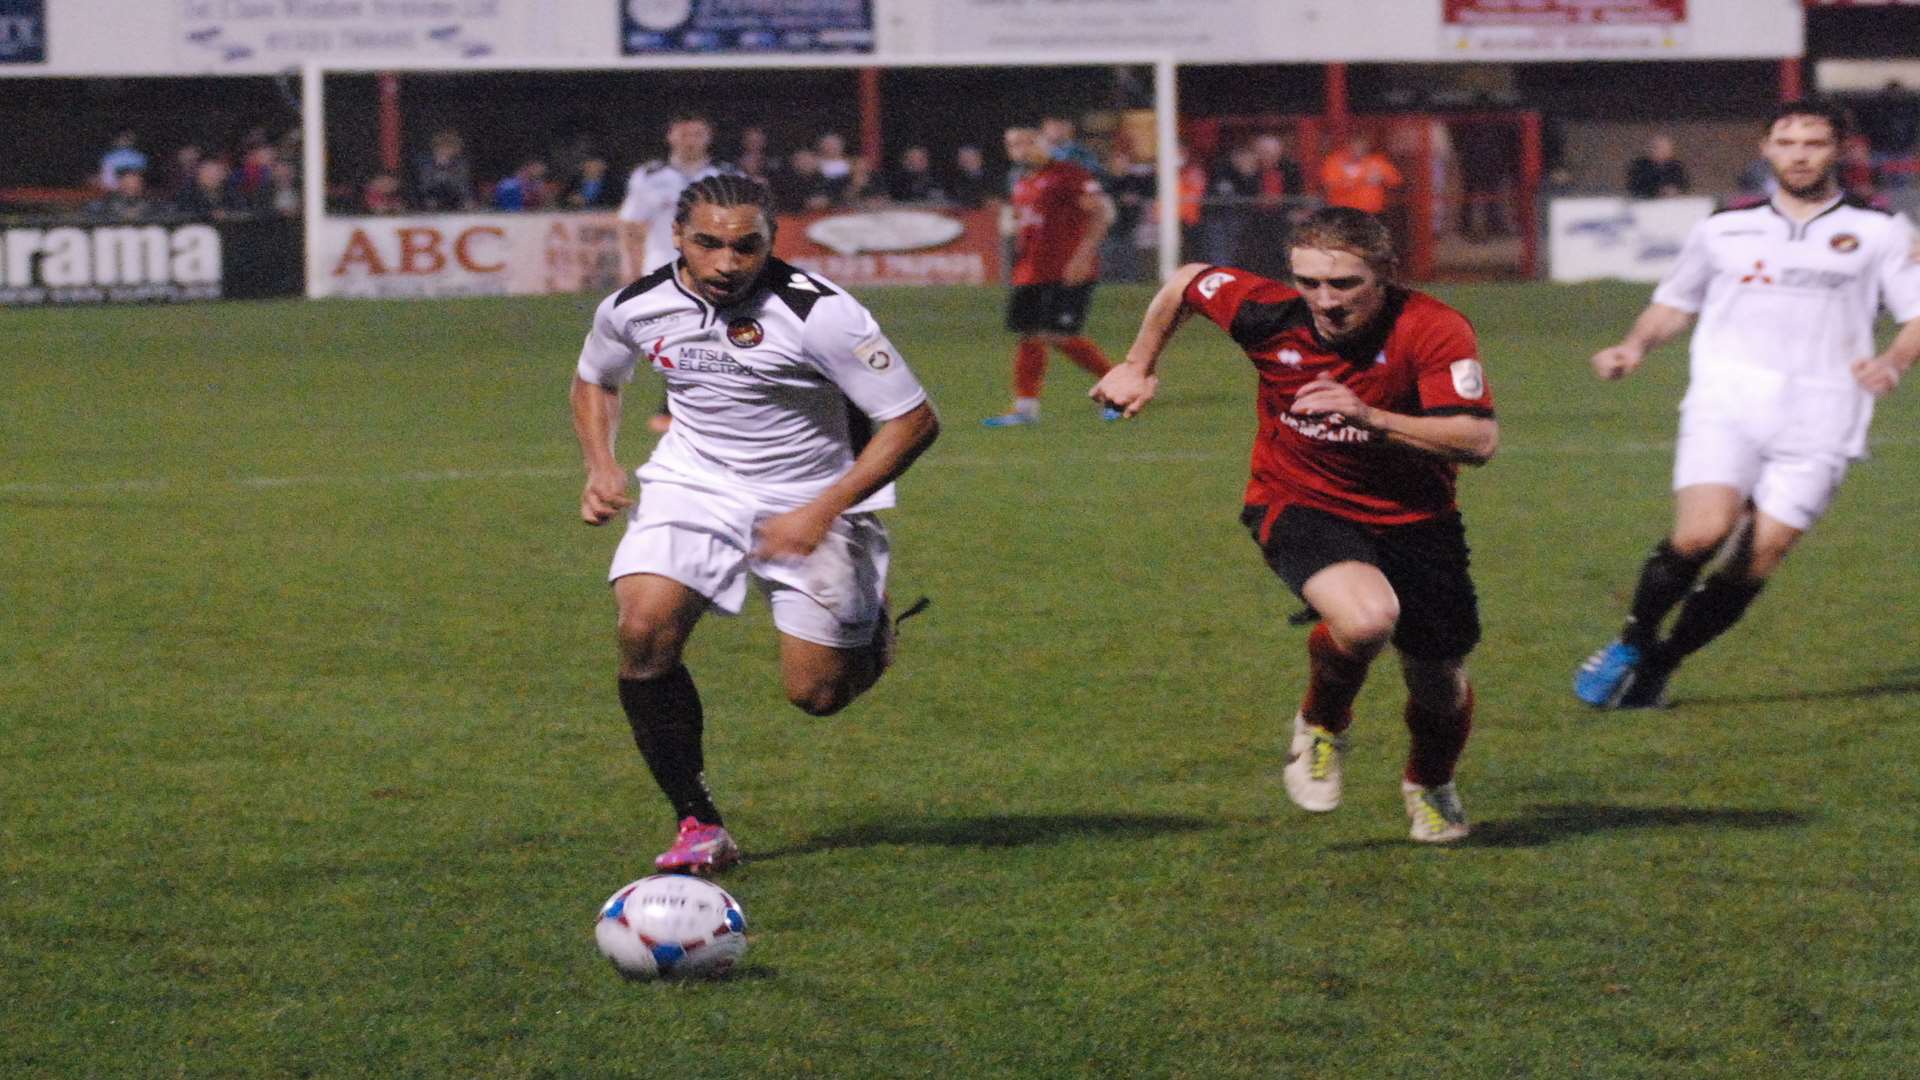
(1193, 190)
(1359, 176)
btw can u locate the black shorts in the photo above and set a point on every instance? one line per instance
(1425, 562)
(1044, 309)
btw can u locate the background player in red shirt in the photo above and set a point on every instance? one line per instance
(1370, 396)
(1060, 216)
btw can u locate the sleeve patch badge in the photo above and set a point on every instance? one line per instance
(1211, 284)
(1468, 381)
(876, 353)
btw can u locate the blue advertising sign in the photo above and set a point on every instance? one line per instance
(717, 26)
(23, 31)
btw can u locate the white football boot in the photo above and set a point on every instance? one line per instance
(1436, 813)
(1313, 766)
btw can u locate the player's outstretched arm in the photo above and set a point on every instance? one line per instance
(894, 446)
(1656, 326)
(1880, 374)
(1132, 383)
(596, 420)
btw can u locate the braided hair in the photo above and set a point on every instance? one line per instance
(725, 190)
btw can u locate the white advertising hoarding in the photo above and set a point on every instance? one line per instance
(464, 255)
(1626, 239)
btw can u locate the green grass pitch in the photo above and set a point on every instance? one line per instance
(311, 765)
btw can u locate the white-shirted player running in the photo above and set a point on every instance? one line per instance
(793, 416)
(645, 217)
(1779, 396)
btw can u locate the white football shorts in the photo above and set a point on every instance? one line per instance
(1763, 455)
(703, 538)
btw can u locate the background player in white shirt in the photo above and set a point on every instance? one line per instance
(1780, 391)
(793, 415)
(653, 192)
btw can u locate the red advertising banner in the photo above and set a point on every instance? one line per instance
(1564, 29)
(895, 246)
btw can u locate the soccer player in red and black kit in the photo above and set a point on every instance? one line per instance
(1370, 396)
(1061, 214)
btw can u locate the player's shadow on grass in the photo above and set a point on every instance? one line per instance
(1899, 684)
(989, 831)
(1545, 824)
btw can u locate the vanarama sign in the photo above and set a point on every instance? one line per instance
(112, 263)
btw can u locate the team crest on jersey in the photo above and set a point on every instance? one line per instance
(745, 333)
(1468, 381)
(1210, 284)
(1844, 242)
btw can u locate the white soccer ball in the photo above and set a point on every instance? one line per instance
(672, 926)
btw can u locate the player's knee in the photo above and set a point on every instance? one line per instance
(647, 649)
(823, 698)
(1365, 626)
(1699, 539)
(1435, 684)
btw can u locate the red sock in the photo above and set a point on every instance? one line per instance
(1084, 352)
(1437, 739)
(1333, 681)
(1029, 368)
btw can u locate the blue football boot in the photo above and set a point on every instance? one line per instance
(1608, 675)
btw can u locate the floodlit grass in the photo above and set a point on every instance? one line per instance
(310, 762)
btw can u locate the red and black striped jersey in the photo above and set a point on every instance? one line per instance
(1420, 359)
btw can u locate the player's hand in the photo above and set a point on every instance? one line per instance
(792, 535)
(1617, 361)
(1875, 376)
(1325, 395)
(604, 496)
(1127, 388)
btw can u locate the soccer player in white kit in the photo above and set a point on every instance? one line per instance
(793, 416)
(653, 193)
(1780, 391)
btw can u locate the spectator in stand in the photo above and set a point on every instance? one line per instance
(1890, 120)
(1657, 174)
(1058, 133)
(836, 168)
(753, 160)
(186, 165)
(121, 156)
(253, 180)
(285, 198)
(1855, 172)
(970, 185)
(1232, 191)
(1487, 156)
(211, 198)
(526, 189)
(913, 181)
(1358, 176)
(443, 178)
(1280, 176)
(1193, 197)
(1130, 184)
(801, 187)
(126, 201)
(382, 195)
(590, 189)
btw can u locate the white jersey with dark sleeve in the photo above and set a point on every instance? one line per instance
(1786, 307)
(653, 194)
(772, 398)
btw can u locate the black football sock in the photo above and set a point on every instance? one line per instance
(1714, 607)
(667, 723)
(1664, 581)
